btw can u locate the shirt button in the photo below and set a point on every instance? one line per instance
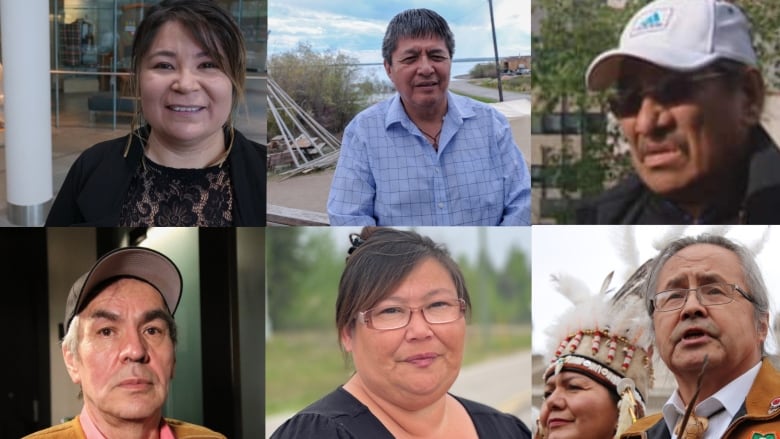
(436, 170)
(441, 205)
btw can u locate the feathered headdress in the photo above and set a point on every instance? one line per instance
(607, 339)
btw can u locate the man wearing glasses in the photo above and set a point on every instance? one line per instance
(688, 96)
(710, 315)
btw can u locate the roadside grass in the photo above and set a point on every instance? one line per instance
(521, 84)
(302, 367)
(476, 98)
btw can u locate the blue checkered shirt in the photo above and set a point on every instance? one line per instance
(388, 173)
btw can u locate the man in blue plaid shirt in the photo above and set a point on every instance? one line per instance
(427, 156)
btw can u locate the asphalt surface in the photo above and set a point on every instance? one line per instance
(465, 87)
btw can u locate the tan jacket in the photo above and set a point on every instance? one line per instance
(72, 430)
(759, 416)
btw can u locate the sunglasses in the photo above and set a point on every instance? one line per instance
(626, 100)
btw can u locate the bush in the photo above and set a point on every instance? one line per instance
(483, 71)
(328, 85)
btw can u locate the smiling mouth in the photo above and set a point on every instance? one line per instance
(422, 360)
(184, 109)
(555, 423)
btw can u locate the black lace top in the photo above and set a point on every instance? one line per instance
(162, 196)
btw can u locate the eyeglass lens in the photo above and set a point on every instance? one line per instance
(397, 316)
(712, 294)
(669, 90)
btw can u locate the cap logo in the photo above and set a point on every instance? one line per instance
(653, 20)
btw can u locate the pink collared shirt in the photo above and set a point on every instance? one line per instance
(92, 432)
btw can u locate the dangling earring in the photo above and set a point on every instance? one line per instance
(541, 432)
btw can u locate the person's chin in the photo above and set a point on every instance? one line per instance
(691, 358)
(665, 182)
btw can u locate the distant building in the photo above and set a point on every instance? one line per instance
(515, 63)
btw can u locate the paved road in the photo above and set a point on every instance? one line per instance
(463, 86)
(503, 383)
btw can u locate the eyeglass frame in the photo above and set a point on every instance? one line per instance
(733, 286)
(659, 91)
(363, 316)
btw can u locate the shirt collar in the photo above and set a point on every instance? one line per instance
(92, 432)
(730, 397)
(396, 113)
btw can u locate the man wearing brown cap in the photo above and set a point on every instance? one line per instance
(688, 96)
(119, 347)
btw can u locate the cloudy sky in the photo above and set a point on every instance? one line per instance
(356, 27)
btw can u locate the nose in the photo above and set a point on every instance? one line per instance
(692, 306)
(555, 400)
(425, 67)
(135, 349)
(418, 327)
(186, 81)
(651, 117)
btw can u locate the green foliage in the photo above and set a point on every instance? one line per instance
(572, 34)
(765, 17)
(282, 271)
(303, 274)
(485, 70)
(327, 85)
(521, 84)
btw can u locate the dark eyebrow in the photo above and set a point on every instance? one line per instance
(103, 314)
(156, 314)
(147, 317)
(172, 54)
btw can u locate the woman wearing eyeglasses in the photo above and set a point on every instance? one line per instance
(401, 315)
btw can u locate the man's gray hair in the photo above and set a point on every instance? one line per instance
(416, 23)
(754, 281)
(71, 339)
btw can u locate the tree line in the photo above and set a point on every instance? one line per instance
(304, 267)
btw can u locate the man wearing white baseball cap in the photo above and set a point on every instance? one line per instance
(119, 346)
(688, 96)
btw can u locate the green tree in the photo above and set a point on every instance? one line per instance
(514, 284)
(765, 19)
(303, 273)
(327, 85)
(572, 33)
(283, 268)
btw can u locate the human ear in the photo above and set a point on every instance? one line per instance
(71, 364)
(752, 88)
(387, 68)
(346, 337)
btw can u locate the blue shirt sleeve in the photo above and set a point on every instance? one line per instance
(517, 199)
(352, 193)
